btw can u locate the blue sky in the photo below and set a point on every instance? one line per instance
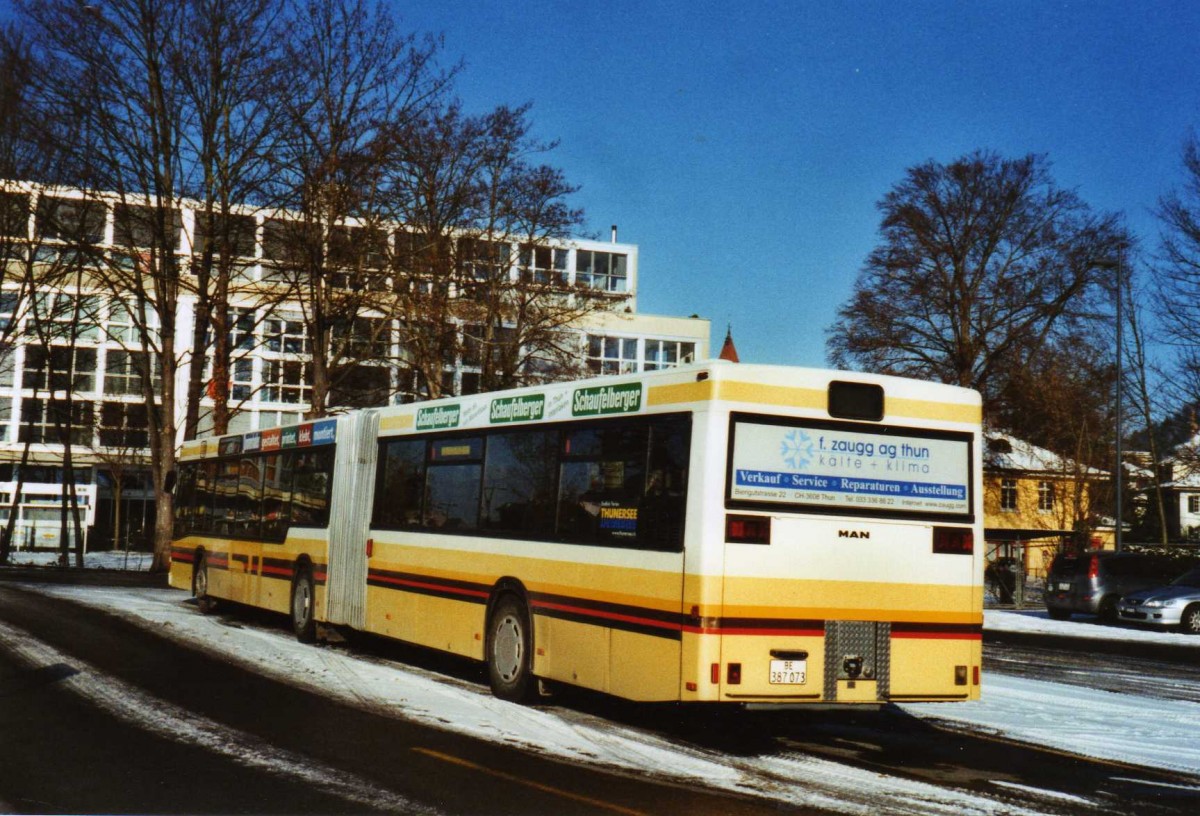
(743, 146)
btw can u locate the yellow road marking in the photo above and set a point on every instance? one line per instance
(528, 783)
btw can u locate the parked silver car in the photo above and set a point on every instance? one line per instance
(1176, 604)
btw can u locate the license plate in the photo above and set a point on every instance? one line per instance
(789, 672)
(1062, 586)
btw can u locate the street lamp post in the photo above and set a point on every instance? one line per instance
(1120, 473)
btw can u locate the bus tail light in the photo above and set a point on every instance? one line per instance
(955, 540)
(748, 529)
(733, 674)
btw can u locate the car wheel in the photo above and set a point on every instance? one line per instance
(304, 621)
(509, 644)
(1108, 610)
(1059, 614)
(1189, 622)
(200, 585)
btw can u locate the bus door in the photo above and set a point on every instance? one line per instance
(350, 517)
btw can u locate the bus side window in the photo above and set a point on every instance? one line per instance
(277, 494)
(313, 479)
(225, 498)
(518, 482)
(202, 497)
(601, 482)
(185, 498)
(452, 481)
(248, 514)
(400, 483)
(661, 512)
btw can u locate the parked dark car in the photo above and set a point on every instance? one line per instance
(1092, 583)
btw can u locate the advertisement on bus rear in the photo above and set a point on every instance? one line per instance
(839, 469)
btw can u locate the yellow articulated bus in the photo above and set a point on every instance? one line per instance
(716, 532)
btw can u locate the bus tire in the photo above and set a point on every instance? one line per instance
(303, 606)
(204, 601)
(509, 651)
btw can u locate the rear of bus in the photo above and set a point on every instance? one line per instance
(846, 529)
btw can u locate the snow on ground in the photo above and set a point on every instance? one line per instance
(794, 779)
(1081, 626)
(1110, 726)
(1120, 727)
(110, 560)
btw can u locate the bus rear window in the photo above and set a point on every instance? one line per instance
(848, 468)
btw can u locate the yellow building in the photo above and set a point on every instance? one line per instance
(1035, 503)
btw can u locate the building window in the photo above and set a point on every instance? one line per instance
(241, 328)
(1193, 504)
(612, 355)
(242, 379)
(239, 230)
(123, 372)
(73, 220)
(285, 381)
(1008, 494)
(60, 368)
(667, 354)
(10, 303)
(544, 265)
(285, 335)
(1045, 496)
(124, 425)
(605, 271)
(123, 325)
(40, 420)
(14, 214)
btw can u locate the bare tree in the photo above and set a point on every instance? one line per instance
(484, 249)
(352, 73)
(1177, 275)
(233, 77)
(981, 262)
(1147, 400)
(113, 67)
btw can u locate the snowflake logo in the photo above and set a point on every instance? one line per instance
(797, 449)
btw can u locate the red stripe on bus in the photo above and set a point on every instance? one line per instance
(387, 579)
(772, 631)
(594, 613)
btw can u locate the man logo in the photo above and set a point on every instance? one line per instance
(853, 534)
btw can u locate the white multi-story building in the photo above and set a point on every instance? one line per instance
(95, 353)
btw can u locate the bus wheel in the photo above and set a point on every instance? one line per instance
(509, 642)
(304, 622)
(200, 585)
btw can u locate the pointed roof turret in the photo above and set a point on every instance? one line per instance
(729, 350)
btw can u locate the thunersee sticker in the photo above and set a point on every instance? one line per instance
(850, 470)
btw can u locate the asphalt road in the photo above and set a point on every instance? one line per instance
(100, 715)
